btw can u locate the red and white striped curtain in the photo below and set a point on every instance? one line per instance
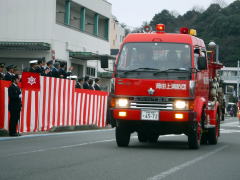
(57, 103)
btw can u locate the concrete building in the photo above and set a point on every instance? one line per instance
(230, 78)
(75, 31)
(117, 33)
(116, 36)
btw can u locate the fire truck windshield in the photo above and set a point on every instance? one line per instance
(154, 56)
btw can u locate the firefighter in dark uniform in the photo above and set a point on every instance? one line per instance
(33, 66)
(9, 75)
(96, 85)
(15, 105)
(90, 82)
(85, 83)
(62, 71)
(79, 83)
(55, 70)
(40, 68)
(48, 69)
(1, 71)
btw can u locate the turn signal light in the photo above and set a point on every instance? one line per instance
(178, 116)
(113, 102)
(122, 114)
(160, 27)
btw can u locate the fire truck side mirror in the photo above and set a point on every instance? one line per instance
(114, 52)
(104, 61)
(202, 63)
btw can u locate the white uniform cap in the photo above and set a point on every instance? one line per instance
(33, 62)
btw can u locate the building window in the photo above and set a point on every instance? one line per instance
(75, 16)
(230, 89)
(234, 73)
(90, 71)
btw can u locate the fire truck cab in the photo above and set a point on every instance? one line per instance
(162, 85)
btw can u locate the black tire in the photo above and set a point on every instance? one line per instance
(142, 137)
(212, 137)
(222, 117)
(204, 138)
(194, 138)
(122, 136)
(153, 138)
(213, 133)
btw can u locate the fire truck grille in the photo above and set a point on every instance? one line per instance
(161, 103)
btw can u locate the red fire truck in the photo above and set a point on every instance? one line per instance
(166, 83)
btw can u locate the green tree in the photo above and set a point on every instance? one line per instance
(218, 22)
(164, 17)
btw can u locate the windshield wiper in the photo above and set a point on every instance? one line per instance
(141, 69)
(172, 70)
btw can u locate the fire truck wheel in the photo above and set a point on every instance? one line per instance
(194, 137)
(213, 133)
(153, 138)
(122, 136)
(204, 138)
(142, 137)
(212, 136)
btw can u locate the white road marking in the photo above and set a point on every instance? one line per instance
(61, 147)
(74, 145)
(170, 171)
(229, 131)
(231, 124)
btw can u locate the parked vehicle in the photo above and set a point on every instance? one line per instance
(232, 109)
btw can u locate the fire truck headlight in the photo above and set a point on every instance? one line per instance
(179, 104)
(122, 103)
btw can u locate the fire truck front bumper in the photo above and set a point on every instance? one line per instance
(153, 115)
(160, 122)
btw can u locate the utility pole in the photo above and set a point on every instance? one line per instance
(217, 53)
(238, 81)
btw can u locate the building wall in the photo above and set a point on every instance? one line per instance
(117, 33)
(102, 7)
(34, 20)
(27, 20)
(22, 58)
(38, 21)
(116, 36)
(66, 40)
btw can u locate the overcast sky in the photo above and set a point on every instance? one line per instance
(134, 12)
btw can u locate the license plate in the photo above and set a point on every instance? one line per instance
(150, 115)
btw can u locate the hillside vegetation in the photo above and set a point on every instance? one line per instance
(221, 25)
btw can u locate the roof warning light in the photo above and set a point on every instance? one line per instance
(184, 30)
(147, 29)
(160, 28)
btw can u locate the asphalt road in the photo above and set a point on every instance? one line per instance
(94, 155)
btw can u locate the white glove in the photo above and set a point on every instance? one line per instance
(20, 95)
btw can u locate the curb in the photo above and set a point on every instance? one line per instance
(74, 128)
(4, 133)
